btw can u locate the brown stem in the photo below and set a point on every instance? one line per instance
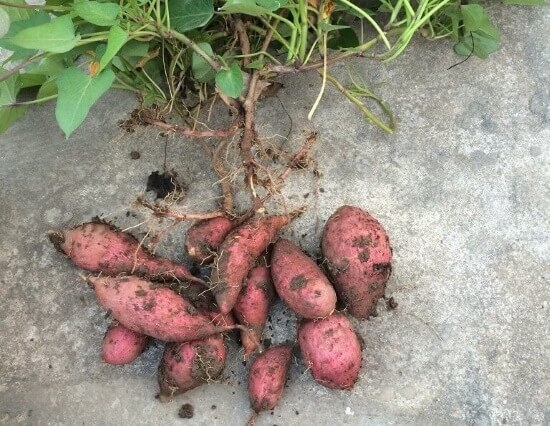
(219, 167)
(244, 41)
(163, 211)
(22, 65)
(191, 133)
(308, 144)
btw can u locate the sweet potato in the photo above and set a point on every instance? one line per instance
(204, 238)
(185, 366)
(300, 283)
(99, 247)
(267, 377)
(358, 256)
(252, 307)
(153, 310)
(332, 350)
(237, 255)
(122, 345)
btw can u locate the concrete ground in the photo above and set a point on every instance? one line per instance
(462, 188)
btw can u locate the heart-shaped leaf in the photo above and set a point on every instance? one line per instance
(202, 70)
(57, 36)
(102, 14)
(186, 15)
(77, 92)
(230, 81)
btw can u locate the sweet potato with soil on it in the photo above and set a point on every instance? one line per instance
(99, 247)
(252, 307)
(358, 257)
(185, 366)
(237, 255)
(332, 350)
(204, 238)
(153, 310)
(300, 283)
(267, 377)
(122, 345)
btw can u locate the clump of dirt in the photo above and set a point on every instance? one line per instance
(186, 411)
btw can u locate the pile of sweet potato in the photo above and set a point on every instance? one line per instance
(154, 298)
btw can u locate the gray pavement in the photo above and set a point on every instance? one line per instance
(462, 188)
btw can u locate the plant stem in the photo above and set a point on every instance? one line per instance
(35, 101)
(303, 30)
(324, 83)
(368, 18)
(35, 7)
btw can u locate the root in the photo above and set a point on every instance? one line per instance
(192, 133)
(163, 211)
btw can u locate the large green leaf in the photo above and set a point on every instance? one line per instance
(115, 41)
(56, 36)
(31, 80)
(482, 46)
(202, 70)
(77, 93)
(9, 115)
(475, 20)
(19, 13)
(38, 18)
(49, 88)
(102, 14)
(4, 22)
(253, 7)
(230, 81)
(186, 15)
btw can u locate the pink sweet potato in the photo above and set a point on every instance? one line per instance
(204, 238)
(332, 350)
(252, 307)
(237, 255)
(122, 345)
(300, 283)
(153, 310)
(358, 256)
(267, 377)
(99, 247)
(185, 366)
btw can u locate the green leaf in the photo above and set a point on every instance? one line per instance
(258, 64)
(326, 27)
(4, 22)
(482, 46)
(19, 13)
(230, 81)
(102, 14)
(9, 115)
(473, 16)
(77, 93)
(248, 7)
(49, 88)
(31, 80)
(186, 15)
(345, 39)
(135, 49)
(50, 66)
(202, 70)
(272, 5)
(9, 89)
(18, 26)
(117, 38)
(56, 36)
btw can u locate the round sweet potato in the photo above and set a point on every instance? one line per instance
(252, 307)
(185, 366)
(358, 257)
(300, 283)
(267, 377)
(153, 310)
(332, 350)
(204, 238)
(122, 345)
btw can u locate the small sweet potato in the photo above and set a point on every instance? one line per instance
(153, 310)
(204, 238)
(185, 366)
(358, 257)
(332, 350)
(267, 377)
(237, 255)
(300, 283)
(122, 345)
(99, 247)
(252, 307)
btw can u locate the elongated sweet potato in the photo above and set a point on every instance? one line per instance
(185, 366)
(300, 283)
(267, 377)
(252, 307)
(153, 310)
(122, 345)
(358, 256)
(204, 238)
(237, 255)
(332, 350)
(98, 247)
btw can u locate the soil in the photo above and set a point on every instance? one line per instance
(164, 184)
(186, 411)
